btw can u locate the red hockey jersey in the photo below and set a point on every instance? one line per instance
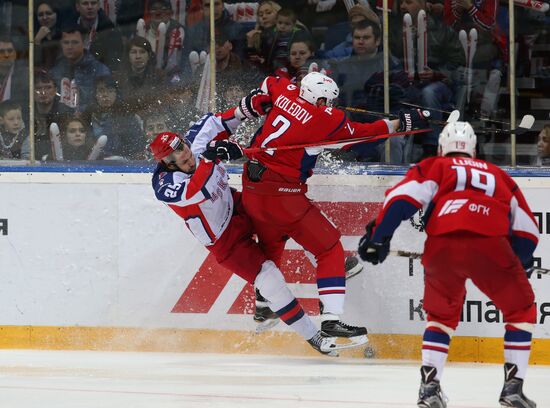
(293, 121)
(461, 194)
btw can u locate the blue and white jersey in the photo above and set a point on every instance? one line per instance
(203, 199)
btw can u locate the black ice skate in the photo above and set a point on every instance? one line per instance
(512, 392)
(357, 336)
(430, 394)
(323, 343)
(352, 266)
(263, 315)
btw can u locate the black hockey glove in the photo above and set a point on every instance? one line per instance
(254, 105)
(223, 150)
(410, 119)
(373, 252)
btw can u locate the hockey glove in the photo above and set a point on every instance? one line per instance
(223, 150)
(253, 105)
(373, 252)
(410, 119)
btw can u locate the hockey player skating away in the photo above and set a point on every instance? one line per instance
(479, 227)
(274, 183)
(192, 181)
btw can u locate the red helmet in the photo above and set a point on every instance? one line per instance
(164, 144)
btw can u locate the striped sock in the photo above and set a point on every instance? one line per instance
(517, 347)
(293, 315)
(435, 348)
(332, 292)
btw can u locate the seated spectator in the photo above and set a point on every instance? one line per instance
(266, 17)
(14, 141)
(160, 11)
(13, 75)
(78, 64)
(361, 81)
(338, 41)
(301, 54)
(139, 81)
(226, 59)
(543, 146)
(109, 118)
(154, 122)
(437, 84)
(48, 33)
(180, 104)
(197, 37)
(276, 41)
(47, 109)
(76, 139)
(101, 38)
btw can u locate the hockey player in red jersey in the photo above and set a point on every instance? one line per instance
(192, 181)
(274, 183)
(479, 227)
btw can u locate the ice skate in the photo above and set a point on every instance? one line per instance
(512, 391)
(263, 315)
(430, 394)
(323, 343)
(352, 266)
(357, 336)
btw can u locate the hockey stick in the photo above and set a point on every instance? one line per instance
(453, 116)
(526, 122)
(418, 255)
(334, 144)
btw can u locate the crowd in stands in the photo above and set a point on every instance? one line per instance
(128, 69)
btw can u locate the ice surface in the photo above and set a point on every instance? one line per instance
(77, 379)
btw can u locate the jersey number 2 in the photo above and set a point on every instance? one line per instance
(477, 179)
(283, 124)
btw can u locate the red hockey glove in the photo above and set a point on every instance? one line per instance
(254, 105)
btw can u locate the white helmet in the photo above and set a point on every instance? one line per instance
(315, 86)
(457, 137)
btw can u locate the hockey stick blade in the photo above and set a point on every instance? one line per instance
(525, 125)
(454, 116)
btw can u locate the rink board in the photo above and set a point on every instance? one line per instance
(93, 261)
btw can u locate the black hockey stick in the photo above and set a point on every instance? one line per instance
(453, 116)
(525, 125)
(418, 255)
(526, 117)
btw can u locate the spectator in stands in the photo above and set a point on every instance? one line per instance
(338, 38)
(266, 18)
(48, 109)
(76, 139)
(14, 141)
(180, 105)
(140, 83)
(160, 11)
(108, 117)
(48, 33)
(437, 84)
(301, 54)
(128, 14)
(226, 59)
(13, 75)
(78, 64)
(543, 146)
(101, 38)
(197, 37)
(276, 41)
(361, 82)
(154, 122)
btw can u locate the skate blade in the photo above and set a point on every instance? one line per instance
(356, 270)
(354, 342)
(266, 325)
(329, 349)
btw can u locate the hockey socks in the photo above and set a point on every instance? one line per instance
(517, 346)
(435, 347)
(271, 284)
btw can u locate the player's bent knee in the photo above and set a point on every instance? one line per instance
(271, 283)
